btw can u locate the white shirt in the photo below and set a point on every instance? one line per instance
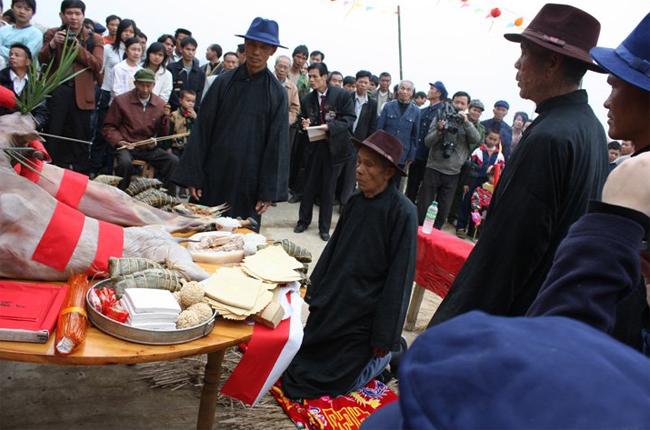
(358, 104)
(111, 58)
(19, 83)
(164, 84)
(123, 78)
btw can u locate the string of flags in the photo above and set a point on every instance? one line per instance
(494, 13)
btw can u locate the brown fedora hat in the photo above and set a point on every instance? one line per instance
(384, 144)
(564, 29)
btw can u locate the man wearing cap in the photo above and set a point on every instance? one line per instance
(237, 152)
(500, 111)
(560, 163)
(474, 113)
(437, 94)
(136, 116)
(362, 283)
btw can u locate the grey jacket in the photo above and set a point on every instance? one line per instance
(467, 136)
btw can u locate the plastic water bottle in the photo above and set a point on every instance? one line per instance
(432, 213)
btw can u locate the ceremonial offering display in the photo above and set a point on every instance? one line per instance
(155, 317)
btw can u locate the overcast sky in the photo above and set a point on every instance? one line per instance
(441, 40)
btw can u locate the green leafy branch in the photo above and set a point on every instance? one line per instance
(43, 83)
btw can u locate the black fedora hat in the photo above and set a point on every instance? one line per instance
(564, 29)
(263, 30)
(384, 144)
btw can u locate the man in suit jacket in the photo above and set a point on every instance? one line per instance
(72, 103)
(332, 108)
(365, 108)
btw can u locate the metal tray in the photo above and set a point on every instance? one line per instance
(148, 337)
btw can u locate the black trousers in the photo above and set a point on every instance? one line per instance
(66, 119)
(297, 163)
(347, 180)
(161, 160)
(416, 174)
(321, 180)
(441, 188)
(102, 153)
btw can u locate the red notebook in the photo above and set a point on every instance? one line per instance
(28, 311)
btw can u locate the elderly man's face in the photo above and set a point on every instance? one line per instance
(373, 174)
(627, 147)
(257, 54)
(530, 71)
(500, 113)
(629, 110)
(230, 62)
(336, 80)
(405, 92)
(143, 89)
(282, 66)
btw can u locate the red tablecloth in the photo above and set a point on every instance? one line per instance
(439, 259)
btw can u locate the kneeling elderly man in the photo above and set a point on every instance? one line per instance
(362, 283)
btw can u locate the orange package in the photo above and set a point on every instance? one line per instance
(73, 320)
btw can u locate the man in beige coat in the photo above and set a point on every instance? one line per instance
(282, 66)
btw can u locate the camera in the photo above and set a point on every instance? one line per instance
(70, 36)
(453, 121)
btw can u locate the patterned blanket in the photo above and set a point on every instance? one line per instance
(338, 413)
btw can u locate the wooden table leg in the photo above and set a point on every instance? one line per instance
(414, 307)
(209, 394)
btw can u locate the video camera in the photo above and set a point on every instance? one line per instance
(453, 121)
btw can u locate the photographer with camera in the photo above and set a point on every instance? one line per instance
(449, 141)
(72, 103)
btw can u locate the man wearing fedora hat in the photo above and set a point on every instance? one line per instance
(362, 283)
(237, 152)
(560, 163)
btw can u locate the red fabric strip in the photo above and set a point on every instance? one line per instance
(30, 174)
(253, 370)
(60, 239)
(72, 188)
(110, 243)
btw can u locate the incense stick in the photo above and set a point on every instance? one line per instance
(85, 142)
(26, 162)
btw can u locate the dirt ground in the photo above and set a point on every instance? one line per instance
(121, 397)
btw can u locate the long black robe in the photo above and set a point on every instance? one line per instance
(559, 165)
(359, 294)
(237, 152)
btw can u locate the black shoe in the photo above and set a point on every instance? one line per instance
(299, 228)
(385, 377)
(325, 236)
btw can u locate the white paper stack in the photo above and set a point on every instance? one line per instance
(151, 309)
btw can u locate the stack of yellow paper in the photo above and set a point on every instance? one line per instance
(236, 295)
(272, 264)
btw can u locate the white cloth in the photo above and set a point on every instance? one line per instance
(111, 58)
(19, 83)
(164, 84)
(123, 78)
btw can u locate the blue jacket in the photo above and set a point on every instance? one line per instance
(404, 127)
(427, 115)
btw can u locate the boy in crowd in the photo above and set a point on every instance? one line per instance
(481, 198)
(22, 31)
(482, 160)
(181, 120)
(613, 152)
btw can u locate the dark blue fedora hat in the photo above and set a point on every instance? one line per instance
(631, 60)
(263, 30)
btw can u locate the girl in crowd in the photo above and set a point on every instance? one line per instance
(521, 118)
(155, 60)
(113, 54)
(124, 70)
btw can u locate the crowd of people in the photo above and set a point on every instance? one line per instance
(252, 136)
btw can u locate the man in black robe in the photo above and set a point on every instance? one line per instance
(362, 283)
(560, 164)
(237, 151)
